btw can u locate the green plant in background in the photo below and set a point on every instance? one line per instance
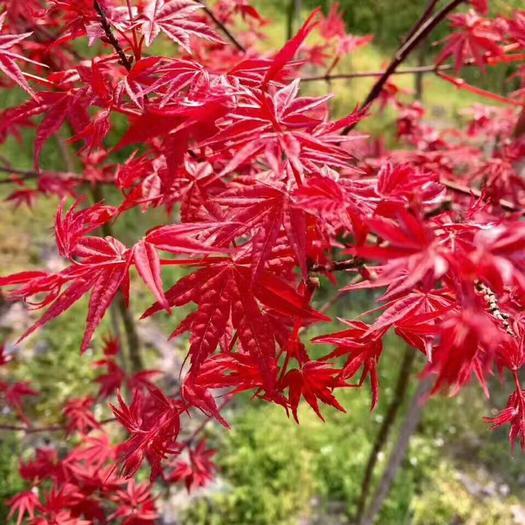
(274, 472)
(268, 471)
(444, 500)
(10, 481)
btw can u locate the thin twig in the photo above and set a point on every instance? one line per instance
(405, 50)
(14, 171)
(23, 175)
(52, 428)
(104, 22)
(421, 31)
(205, 423)
(381, 438)
(466, 190)
(431, 68)
(223, 28)
(337, 266)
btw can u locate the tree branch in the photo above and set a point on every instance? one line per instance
(420, 31)
(223, 28)
(337, 266)
(23, 175)
(427, 13)
(104, 22)
(386, 427)
(404, 51)
(409, 426)
(465, 190)
(431, 68)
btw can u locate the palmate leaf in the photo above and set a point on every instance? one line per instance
(224, 293)
(475, 38)
(175, 19)
(100, 266)
(267, 212)
(56, 107)
(8, 58)
(314, 381)
(147, 262)
(287, 53)
(24, 503)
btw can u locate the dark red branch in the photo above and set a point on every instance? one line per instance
(424, 17)
(402, 54)
(420, 31)
(223, 28)
(104, 22)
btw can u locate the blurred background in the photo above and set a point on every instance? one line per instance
(272, 471)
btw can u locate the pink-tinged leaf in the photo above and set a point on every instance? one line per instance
(24, 503)
(7, 58)
(174, 18)
(147, 262)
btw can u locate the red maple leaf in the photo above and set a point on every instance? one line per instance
(175, 18)
(24, 503)
(79, 416)
(313, 380)
(198, 471)
(224, 294)
(136, 505)
(363, 348)
(475, 38)
(153, 423)
(514, 415)
(8, 58)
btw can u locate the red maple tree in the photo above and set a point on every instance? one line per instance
(264, 193)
